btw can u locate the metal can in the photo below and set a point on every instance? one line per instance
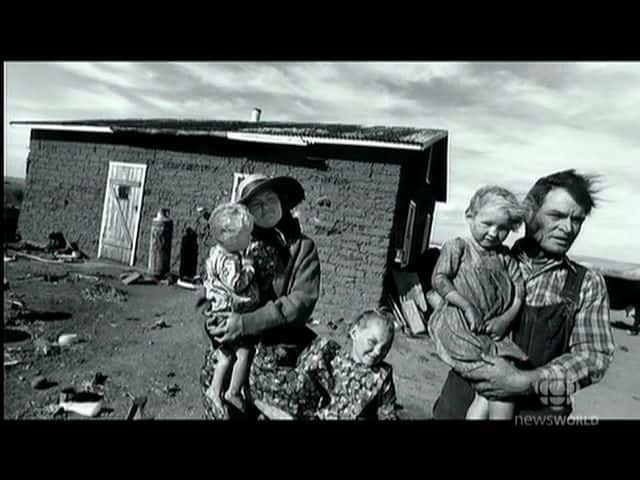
(160, 244)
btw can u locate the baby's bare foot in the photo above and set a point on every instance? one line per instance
(236, 400)
(220, 409)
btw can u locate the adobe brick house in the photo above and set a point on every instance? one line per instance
(370, 191)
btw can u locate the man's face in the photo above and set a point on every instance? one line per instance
(557, 223)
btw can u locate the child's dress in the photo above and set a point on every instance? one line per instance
(230, 282)
(335, 387)
(486, 278)
(238, 283)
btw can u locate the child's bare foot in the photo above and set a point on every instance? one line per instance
(236, 401)
(219, 408)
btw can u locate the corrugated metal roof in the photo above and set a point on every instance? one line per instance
(390, 137)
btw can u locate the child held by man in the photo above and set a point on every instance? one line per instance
(478, 290)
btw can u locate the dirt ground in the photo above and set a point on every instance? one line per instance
(150, 345)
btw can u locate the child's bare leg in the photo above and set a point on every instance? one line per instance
(216, 389)
(479, 408)
(239, 377)
(501, 410)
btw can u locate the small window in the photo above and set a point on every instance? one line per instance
(123, 192)
(427, 232)
(408, 234)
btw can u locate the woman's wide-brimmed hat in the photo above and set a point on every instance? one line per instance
(288, 189)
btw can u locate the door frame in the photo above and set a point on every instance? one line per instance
(107, 193)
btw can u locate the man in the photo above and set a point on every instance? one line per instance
(564, 323)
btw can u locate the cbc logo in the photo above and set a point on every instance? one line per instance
(556, 392)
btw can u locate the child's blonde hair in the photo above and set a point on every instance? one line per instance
(499, 196)
(228, 220)
(381, 314)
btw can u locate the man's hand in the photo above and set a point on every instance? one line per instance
(228, 330)
(500, 380)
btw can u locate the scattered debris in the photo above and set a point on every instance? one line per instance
(160, 324)
(82, 276)
(67, 339)
(171, 374)
(35, 257)
(86, 409)
(170, 279)
(185, 284)
(99, 378)
(623, 348)
(45, 347)
(104, 292)
(131, 278)
(10, 361)
(9, 259)
(171, 390)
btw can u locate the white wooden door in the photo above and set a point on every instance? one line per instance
(121, 212)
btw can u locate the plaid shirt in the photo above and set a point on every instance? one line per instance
(591, 345)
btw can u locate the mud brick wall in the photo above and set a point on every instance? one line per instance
(64, 191)
(349, 208)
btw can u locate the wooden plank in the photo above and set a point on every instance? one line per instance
(408, 284)
(413, 316)
(397, 313)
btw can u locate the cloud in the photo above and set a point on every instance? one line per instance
(508, 122)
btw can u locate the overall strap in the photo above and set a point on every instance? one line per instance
(573, 283)
(571, 291)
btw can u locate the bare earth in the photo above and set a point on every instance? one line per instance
(163, 363)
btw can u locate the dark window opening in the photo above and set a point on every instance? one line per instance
(123, 192)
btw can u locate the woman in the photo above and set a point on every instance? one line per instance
(280, 324)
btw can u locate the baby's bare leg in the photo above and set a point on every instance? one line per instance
(479, 408)
(239, 377)
(216, 389)
(501, 410)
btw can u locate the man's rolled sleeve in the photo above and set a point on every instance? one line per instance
(591, 346)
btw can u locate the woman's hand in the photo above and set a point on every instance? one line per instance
(228, 330)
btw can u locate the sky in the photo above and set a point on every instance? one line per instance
(509, 123)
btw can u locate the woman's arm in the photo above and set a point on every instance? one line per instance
(297, 304)
(302, 287)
